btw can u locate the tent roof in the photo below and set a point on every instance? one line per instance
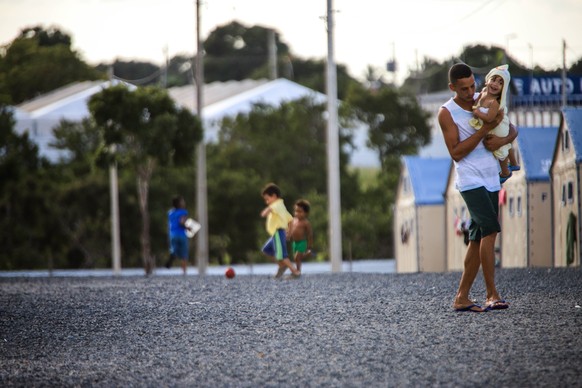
(573, 117)
(230, 98)
(428, 177)
(536, 145)
(186, 97)
(68, 102)
(221, 99)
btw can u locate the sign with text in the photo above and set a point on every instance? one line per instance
(546, 85)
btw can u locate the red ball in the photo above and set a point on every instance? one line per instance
(229, 273)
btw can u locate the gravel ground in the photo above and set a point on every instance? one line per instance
(324, 330)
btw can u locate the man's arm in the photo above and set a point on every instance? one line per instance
(493, 142)
(458, 149)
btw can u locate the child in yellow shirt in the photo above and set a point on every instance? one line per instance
(278, 219)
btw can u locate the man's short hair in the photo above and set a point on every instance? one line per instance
(459, 71)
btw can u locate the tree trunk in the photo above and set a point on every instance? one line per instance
(144, 174)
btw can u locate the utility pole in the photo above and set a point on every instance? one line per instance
(167, 64)
(506, 51)
(114, 195)
(272, 55)
(201, 197)
(333, 175)
(564, 100)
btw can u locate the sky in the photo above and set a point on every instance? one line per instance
(366, 33)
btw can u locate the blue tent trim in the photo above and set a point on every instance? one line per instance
(536, 145)
(573, 117)
(429, 177)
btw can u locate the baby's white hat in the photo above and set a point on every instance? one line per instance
(503, 72)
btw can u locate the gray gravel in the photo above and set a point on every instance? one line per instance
(325, 330)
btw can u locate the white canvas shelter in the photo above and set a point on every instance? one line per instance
(419, 215)
(41, 115)
(566, 175)
(525, 206)
(457, 221)
(222, 99)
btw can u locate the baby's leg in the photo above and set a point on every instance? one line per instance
(512, 159)
(505, 172)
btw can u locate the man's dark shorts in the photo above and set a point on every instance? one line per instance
(484, 210)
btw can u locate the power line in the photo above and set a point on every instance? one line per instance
(143, 80)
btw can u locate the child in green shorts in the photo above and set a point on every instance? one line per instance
(300, 232)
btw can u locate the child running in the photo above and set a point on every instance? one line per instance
(177, 216)
(278, 219)
(300, 232)
(492, 98)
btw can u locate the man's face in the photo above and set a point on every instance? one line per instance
(464, 88)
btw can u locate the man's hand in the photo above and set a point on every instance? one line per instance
(492, 142)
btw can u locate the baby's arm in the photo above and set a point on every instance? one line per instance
(491, 113)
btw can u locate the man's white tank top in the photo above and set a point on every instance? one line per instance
(480, 167)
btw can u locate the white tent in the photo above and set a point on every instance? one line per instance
(249, 92)
(40, 115)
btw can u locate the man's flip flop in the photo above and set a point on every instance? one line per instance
(471, 309)
(514, 168)
(497, 305)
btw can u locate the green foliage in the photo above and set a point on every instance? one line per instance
(26, 189)
(235, 51)
(39, 61)
(145, 124)
(396, 123)
(433, 76)
(145, 129)
(59, 215)
(180, 71)
(84, 143)
(283, 144)
(84, 218)
(311, 73)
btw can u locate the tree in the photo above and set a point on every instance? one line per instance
(30, 231)
(311, 73)
(136, 72)
(284, 144)
(433, 76)
(235, 52)
(396, 123)
(41, 60)
(146, 129)
(83, 194)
